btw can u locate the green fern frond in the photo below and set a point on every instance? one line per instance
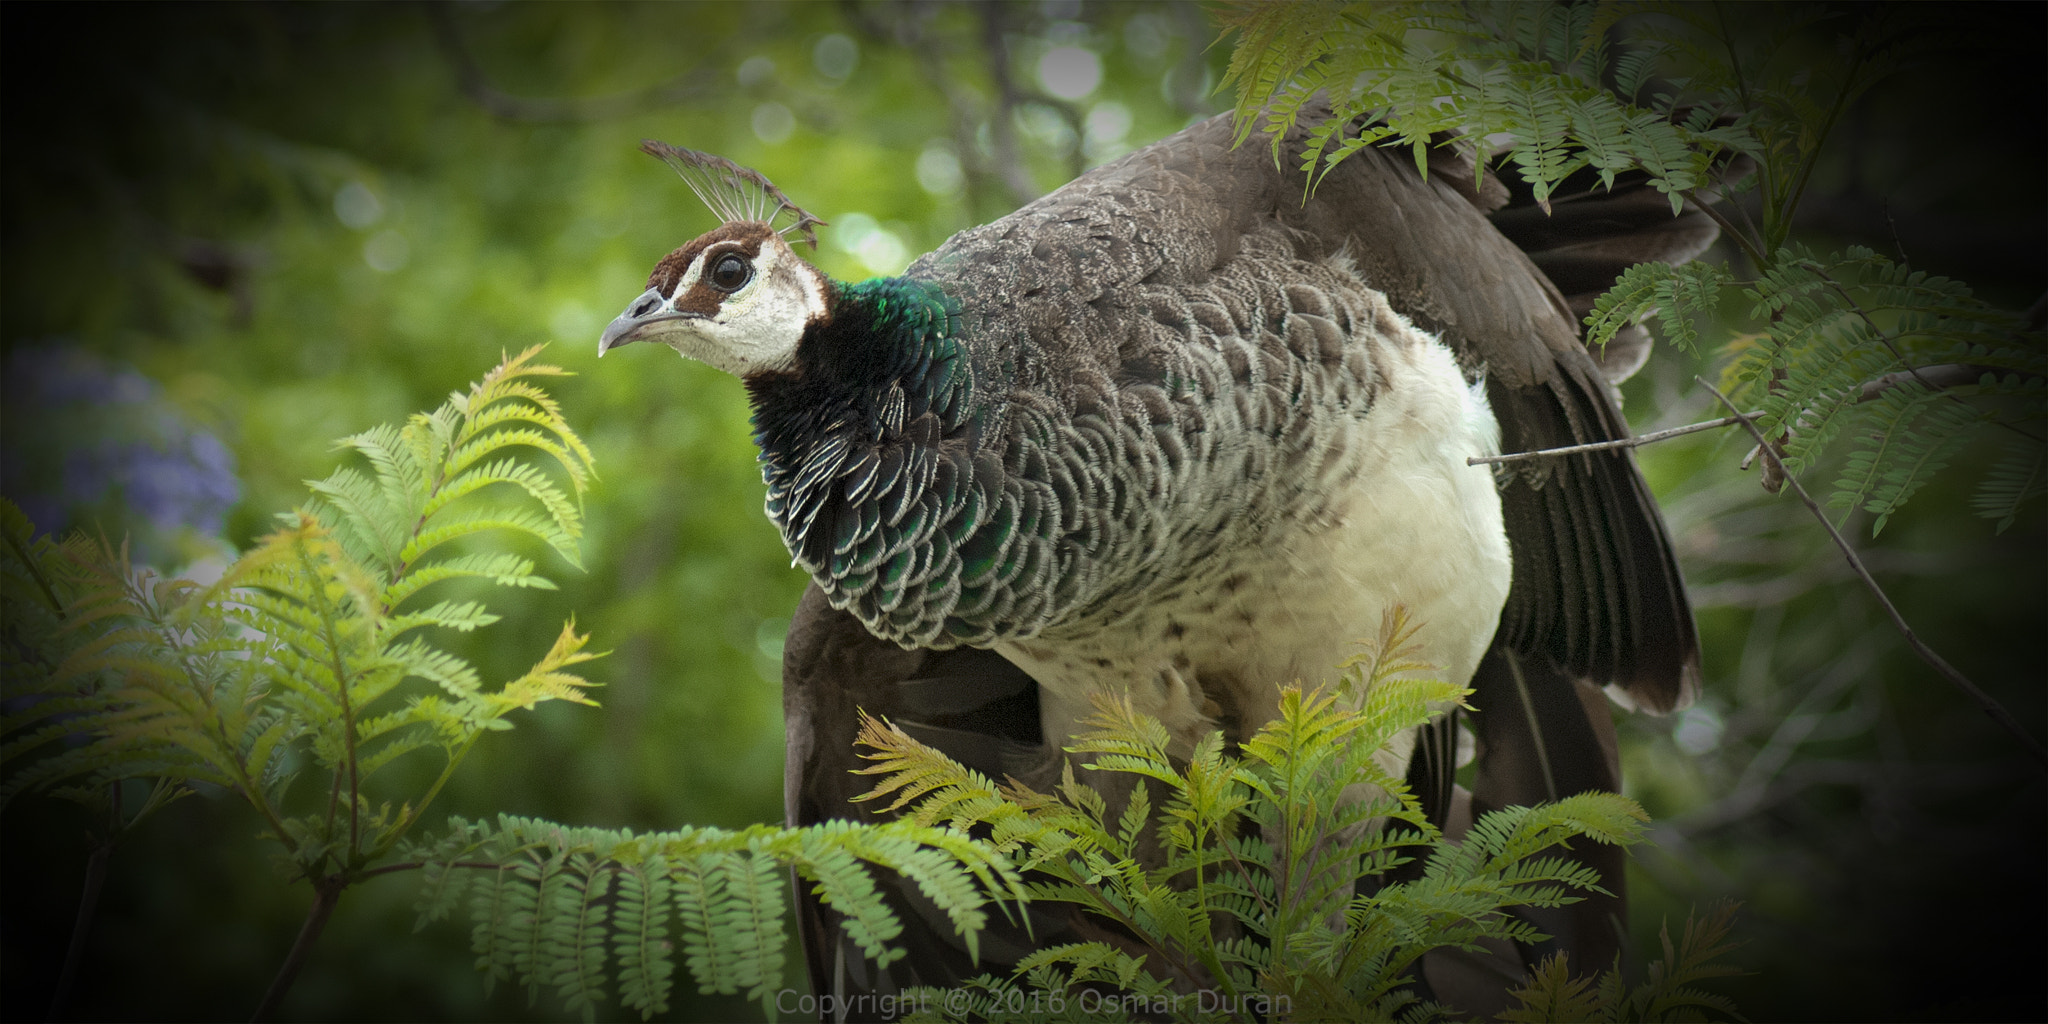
(1282, 44)
(368, 526)
(579, 942)
(421, 471)
(1635, 68)
(936, 790)
(950, 870)
(523, 475)
(1908, 435)
(459, 525)
(1565, 83)
(502, 568)
(2020, 476)
(546, 680)
(441, 885)
(1602, 125)
(1668, 993)
(495, 903)
(699, 890)
(1541, 123)
(1633, 297)
(1552, 993)
(1692, 291)
(838, 879)
(299, 659)
(641, 940)
(1848, 335)
(1325, 813)
(575, 909)
(751, 922)
(122, 676)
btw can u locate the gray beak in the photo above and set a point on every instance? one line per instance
(651, 307)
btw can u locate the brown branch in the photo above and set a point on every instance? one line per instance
(1934, 378)
(1185, 80)
(1985, 701)
(35, 572)
(88, 903)
(1891, 345)
(1940, 377)
(326, 892)
(690, 85)
(1773, 476)
(415, 865)
(1002, 128)
(1728, 227)
(930, 53)
(1596, 446)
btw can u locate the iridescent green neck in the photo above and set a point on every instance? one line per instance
(884, 375)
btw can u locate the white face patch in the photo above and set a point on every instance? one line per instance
(737, 298)
(756, 328)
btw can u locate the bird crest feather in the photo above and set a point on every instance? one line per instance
(733, 192)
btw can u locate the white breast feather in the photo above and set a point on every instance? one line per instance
(1417, 527)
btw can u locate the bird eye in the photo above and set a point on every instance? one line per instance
(730, 273)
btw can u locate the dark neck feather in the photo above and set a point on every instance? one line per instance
(885, 368)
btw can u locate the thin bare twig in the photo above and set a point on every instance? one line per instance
(1985, 701)
(1626, 442)
(1761, 776)
(1753, 233)
(1728, 227)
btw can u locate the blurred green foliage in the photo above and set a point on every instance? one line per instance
(302, 221)
(1889, 840)
(299, 221)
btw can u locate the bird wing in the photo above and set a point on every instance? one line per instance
(1596, 597)
(1596, 587)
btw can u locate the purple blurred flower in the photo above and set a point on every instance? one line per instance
(88, 440)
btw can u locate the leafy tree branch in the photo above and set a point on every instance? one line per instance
(311, 655)
(1990, 704)
(302, 658)
(1238, 878)
(1852, 358)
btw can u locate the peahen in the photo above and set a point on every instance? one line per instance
(1185, 429)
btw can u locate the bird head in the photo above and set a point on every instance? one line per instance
(738, 297)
